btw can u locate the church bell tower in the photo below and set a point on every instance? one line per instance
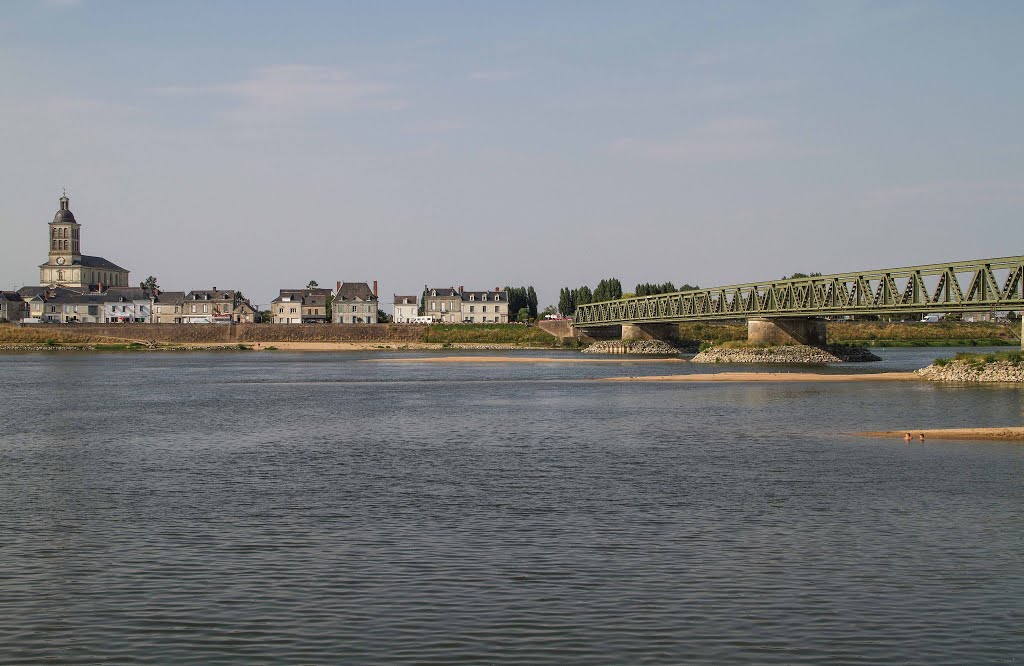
(65, 236)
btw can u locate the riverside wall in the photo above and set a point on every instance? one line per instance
(190, 333)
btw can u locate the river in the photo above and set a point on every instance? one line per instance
(240, 507)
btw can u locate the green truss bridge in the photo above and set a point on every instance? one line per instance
(790, 310)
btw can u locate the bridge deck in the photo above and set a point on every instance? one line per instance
(963, 286)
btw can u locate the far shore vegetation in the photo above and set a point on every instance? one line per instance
(1012, 357)
(860, 333)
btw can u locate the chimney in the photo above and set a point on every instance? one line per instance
(461, 289)
(338, 290)
(497, 290)
(375, 289)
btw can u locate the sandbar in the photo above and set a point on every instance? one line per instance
(774, 377)
(1005, 433)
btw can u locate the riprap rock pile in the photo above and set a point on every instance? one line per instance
(786, 354)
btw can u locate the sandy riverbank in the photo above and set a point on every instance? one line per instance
(774, 377)
(1012, 433)
(359, 346)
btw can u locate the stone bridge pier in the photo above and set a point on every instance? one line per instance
(786, 331)
(649, 332)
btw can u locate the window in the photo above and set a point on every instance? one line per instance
(484, 309)
(280, 310)
(206, 308)
(471, 308)
(291, 311)
(355, 308)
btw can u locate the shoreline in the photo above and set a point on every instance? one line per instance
(765, 377)
(1008, 433)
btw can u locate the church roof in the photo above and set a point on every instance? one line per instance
(100, 262)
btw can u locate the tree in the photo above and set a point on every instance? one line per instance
(797, 276)
(264, 317)
(313, 284)
(149, 283)
(648, 289)
(548, 310)
(523, 315)
(383, 317)
(607, 290)
(566, 302)
(329, 307)
(522, 297)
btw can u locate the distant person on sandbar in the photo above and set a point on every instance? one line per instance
(907, 437)
(922, 436)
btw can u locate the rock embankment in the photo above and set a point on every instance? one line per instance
(787, 354)
(631, 347)
(967, 371)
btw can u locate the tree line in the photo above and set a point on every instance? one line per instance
(610, 289)
(522, 303)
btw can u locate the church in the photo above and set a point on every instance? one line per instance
(67, 266)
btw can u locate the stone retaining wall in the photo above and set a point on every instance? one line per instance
(234, 332)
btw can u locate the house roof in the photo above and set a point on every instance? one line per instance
(491, 295)
(40, 292)
(406, 300)
(446, 292)
(355, 291)
(170, 297)
(10, 296)
(131, 293)
(211, 295)
(314, 297)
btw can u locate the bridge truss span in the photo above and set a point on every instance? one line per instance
(963, 286)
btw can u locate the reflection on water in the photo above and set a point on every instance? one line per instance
(313, 508)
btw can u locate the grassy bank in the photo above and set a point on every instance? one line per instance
(1013, 357)
(528, 336)
(878, 333)
(916, 334)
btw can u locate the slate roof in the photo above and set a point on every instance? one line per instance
(406, 300)
(130, 293)
(355, 291)
(494, 296)
(10, 296)
(100, 262)
(211, 295)
(309, 297)
(171, 297)
(40, 292)
(445, 292)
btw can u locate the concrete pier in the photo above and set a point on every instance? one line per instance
(787, 331)
(649, 332)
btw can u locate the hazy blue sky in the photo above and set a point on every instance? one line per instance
(258, 145)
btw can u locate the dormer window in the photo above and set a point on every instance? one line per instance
(472, 297)
(433, 292)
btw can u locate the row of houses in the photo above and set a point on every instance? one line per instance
(358, 303)
(348, 303)
(63, 305)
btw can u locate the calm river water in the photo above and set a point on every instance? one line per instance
(330, 508)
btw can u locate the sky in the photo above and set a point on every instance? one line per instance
(260, 145)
